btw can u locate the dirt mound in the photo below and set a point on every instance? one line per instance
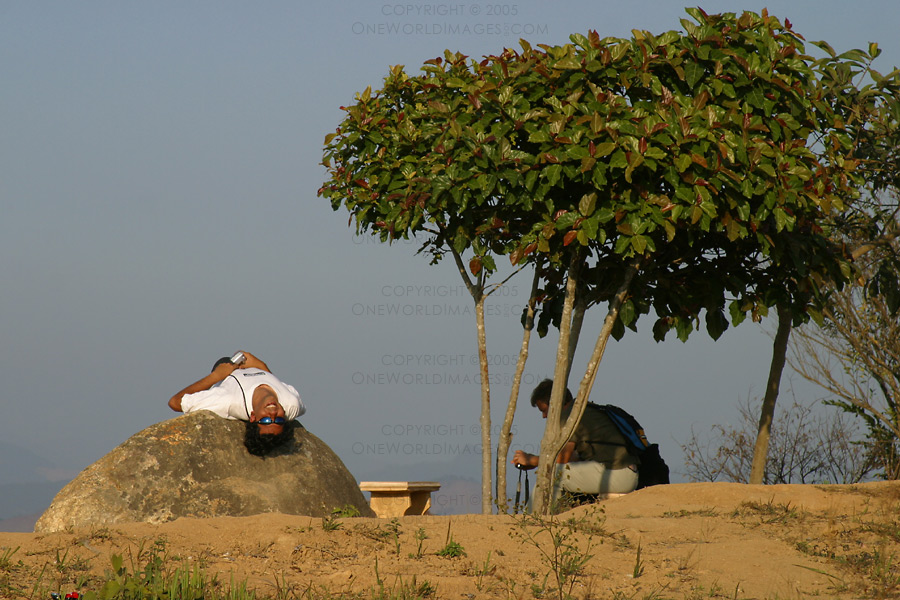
(676, 541)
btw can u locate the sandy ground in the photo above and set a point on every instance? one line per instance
(708, 540)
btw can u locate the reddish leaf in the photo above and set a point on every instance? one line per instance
(667, 96)
(515, 257)
(569, 238)
(475, 265)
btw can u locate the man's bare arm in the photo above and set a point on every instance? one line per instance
(529, 461)
(218, 374)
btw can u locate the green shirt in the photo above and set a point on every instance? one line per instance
(597, 438)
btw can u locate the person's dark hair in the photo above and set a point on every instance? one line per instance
(259, 444)
(224, 359)
(542, 393)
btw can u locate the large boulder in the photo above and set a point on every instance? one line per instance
(196, 466)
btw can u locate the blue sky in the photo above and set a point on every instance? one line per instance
(158, 172)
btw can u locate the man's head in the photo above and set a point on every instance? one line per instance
(267, 411)
(540, 397)
(268, 427)
(259, 444)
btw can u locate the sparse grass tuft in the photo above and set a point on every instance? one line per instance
(452, 550)
(562, 549)
(769, 512)
(346, 511)
(419, 536)
(6, 558)
(638, 569)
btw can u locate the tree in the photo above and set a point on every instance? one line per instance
(806, 447)
(867, 109)
(414, 159)
(860, 325)
(689, 209)
(855, 357)
(671, 172)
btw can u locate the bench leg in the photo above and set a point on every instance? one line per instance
(419, 503)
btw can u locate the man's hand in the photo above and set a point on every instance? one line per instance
(224, 369)
(524, 460)
(252, 362)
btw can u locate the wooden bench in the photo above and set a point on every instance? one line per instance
(398, 498)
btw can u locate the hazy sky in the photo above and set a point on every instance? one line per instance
(159, 163)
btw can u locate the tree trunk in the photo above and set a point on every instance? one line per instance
(476, 289)
(505, 438)
(486, 500)
(578, 310)
(555, 435)
(779, 352)
(550, 444)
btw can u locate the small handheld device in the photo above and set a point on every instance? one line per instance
(238, 358)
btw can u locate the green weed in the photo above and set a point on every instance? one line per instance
(346, 511)
(452, 550)
(331, 523)
(638, 569)
(419, 536)
(485, 569)
(560, 549)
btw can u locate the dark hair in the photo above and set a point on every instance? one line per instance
(224, 359)
(542, 393)
(260, 444)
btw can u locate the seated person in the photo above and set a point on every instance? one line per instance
(594, 460)
(249, 392)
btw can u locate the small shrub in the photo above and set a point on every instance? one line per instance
(452, 550)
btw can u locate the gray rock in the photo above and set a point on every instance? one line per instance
(196, 466)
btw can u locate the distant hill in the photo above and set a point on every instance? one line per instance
(18, 465)
(23, 524)
(28, 483)
(18, 499)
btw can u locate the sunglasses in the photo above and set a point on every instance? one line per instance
(270, 421)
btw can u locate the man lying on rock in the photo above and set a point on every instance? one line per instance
(242, 387)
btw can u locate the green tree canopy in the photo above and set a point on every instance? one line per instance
(683, 172)
(693, 148)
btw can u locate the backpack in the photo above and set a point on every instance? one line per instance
(653, 469)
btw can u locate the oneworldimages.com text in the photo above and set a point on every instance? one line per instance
(446, 19)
